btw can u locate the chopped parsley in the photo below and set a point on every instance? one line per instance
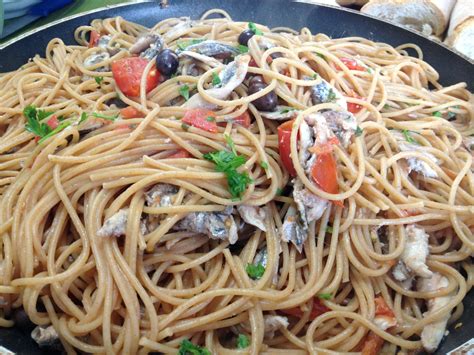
(242, 49)
(185, 126)
(279, 191)
(242, 341)
(215, 79)
(286, 110)
(314, 76)
(230, 143)
(83, 117)
(406, 133)
(331, 96)
(437, 114)
(184, 91)
(264, 165)
(188, 348)
(228, 162)
(210, 119)
(387, 106)
(369, 70)
(321, 56)
(104, 117)
(40, 129)
(255, 272)
(325, 296)
(358, 131)
(184, 44)
(329, 229)
(254, 29)
(99, 79)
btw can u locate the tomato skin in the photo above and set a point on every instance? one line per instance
(131, 112)
(53, 122)
(372, 344)
(324, 174)
(182, 153)
(382, 308)
(243, 120)
(198, 118)
(284, 146)
(325, 147)
(353, 107)
(127, 73)
(351, 64)
(94, 38)
(318, 309)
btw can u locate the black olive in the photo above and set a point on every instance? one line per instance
(117, 102)
(257, 79)
(22, 321)
(267, 102)
(167, 62)
(245, 36)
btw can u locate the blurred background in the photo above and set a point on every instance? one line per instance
(450, 21)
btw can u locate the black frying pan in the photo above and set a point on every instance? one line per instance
(331, 21)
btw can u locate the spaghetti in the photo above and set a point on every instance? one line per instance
(330, 208)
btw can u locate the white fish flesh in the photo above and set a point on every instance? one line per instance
(433, 333)
(201, 57)
(272, 324)
(293, 230)
(216, 225)
(310, 206)
(160, 195)
(253, 215)
(45, 336)
(281, 113)
(115, 226)
(214, 49)
(231, 77)
(146, 42)
(342, 123)
(324, 92)
(97, 58)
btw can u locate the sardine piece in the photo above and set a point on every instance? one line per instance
(253, 215)
(385, 322)
(281, 113)
(216, 225)
(415, 164)
(433, 333)
(147, 41)
(324, 92)
(272, 324)
(103, 41)
(262, 258)
(97, 58)
(45, 336)
(179, 29)
(160, 195)
(416, 251)
(293, 230)
(115, 226)
(310, 206)
(342, 123)
(231, 77)
(212, 48)
(201, 57)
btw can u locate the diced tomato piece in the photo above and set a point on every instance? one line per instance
(327, 147)
(128, 72)
(94, 38)
(324, 174)
(351, 64)
(182, 153)
(201, 118)
(284, 146)
(372, 344)
(243, 120)
(53, 122)
(382, 308)
(353, 107)
(253, 63)
(318, 309)
(131, 112)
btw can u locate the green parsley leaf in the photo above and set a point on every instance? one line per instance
(188, 348)
(329, 229)
(358, 131)
(210, 119)
(264, 165)
(314, 76)
(184, 91)
(55, 131)
(186, 43)
(325, 296)
(331, 96)
(230, 143)
(255, 271)
(83, 117)
(408, 136)
(216, 81)
(185, 126)
(254, 29)
(387, 106)
(279, 192)
(242, 341)
(99, 79)
(104, 117)
(34, 118)
(321, 56)
(369, 70)
(286, 110)
(242, 49)
(228, 162)
(437, 114)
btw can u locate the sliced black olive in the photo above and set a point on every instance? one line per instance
(117, 102)
(245, 36)
(267, 102)
(22, 321)
(257, 79)
(167, 62)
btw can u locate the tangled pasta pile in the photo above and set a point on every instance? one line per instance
(220, 187)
